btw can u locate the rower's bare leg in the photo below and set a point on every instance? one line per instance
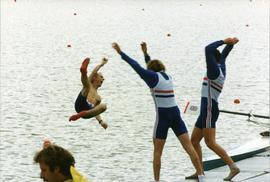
(158, 148)
(210, 140)
(187, 145)
(89, 113)
(196, 138)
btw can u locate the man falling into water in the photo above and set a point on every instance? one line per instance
(88, 103)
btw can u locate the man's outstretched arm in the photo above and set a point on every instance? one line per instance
(150, 77)
(145, 53)
(96, 69)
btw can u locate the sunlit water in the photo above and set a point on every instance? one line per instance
(40, 79)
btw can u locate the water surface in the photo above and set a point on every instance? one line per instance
(40, 79)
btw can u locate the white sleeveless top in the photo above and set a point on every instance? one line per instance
(163, 93)
(212, 88)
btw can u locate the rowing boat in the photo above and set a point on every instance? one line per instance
(245, 151)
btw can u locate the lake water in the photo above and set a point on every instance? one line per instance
(40, 79)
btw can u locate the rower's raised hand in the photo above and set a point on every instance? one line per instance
(144, 47)
(116, 47)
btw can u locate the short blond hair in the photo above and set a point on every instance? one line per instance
(155, 65)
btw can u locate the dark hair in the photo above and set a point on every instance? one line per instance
(55, 156)
(217, 55)
(156, 65)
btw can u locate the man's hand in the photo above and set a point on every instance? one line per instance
(104, 125)
(236, 40)
(144, 47)
(231, 41)
(104, 61)
(116, 47)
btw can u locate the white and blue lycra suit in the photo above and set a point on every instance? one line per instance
(167, 111)
(212, 85)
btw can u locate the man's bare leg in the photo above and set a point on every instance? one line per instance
(210, 140)
(158, 148)
(187, 145)
(89, 113)
(196, 138)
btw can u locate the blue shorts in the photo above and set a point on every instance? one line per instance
(82, 104)
(168, 118)
(202, 121)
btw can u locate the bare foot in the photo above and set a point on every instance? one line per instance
(77, 116)
(193, 176)
(84, 66)
(233, 173)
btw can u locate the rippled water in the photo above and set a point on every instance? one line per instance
(40, 79)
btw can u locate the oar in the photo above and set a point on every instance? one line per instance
(195, 109)
(245, 114)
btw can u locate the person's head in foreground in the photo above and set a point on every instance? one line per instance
(54, 162)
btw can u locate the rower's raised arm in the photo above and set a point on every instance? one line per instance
(150, 77)
(211, 62)
(227, 49)
(96, 69)
(145, 53)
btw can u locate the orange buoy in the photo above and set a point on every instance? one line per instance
(236, 101)
(68, 45)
